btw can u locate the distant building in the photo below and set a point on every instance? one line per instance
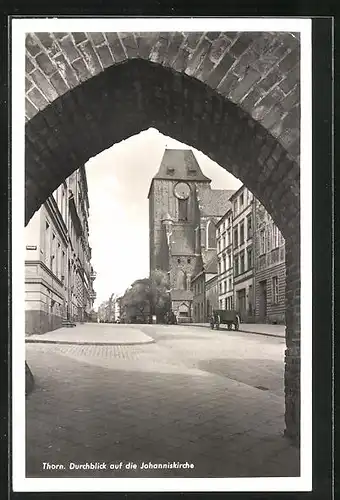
(116, 306)
(225, 278)
(211, 294)
(243, 253)
(107, 311)
(198, 289)
(183, 212)
(204, 287)
(270, 268)
(58, 272)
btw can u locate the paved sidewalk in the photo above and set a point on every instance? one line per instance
(259, 328)
(94, 334)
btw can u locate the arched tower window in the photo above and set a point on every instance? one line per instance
(211, 235)
(181, 280)
(183, 210)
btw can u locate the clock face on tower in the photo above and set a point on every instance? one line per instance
(182, 190)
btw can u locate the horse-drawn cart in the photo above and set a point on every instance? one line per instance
(224, 317)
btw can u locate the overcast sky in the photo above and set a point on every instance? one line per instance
(119, 179)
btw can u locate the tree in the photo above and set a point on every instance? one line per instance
(159, 294)
(135, 302)
(147, 297)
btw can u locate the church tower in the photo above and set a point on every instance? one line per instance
(174, 218)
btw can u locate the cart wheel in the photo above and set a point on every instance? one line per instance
(212, 324)
(218, 322)
(237, 324)
(229, 326)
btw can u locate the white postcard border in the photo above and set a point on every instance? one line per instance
(19, 28)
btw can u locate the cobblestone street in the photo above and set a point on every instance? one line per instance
(213, 399)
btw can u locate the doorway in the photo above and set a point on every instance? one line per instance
(241, 301)
(263, 301)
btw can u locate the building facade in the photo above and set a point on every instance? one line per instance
(58, 273)
(225, 260)
(183, 212)
(204, 287)
(116, 307)
(198, 303)
(211, 294)
(106, 311)
(270, 268)
(243, 253)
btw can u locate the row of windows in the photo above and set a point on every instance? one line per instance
(270, 238)
(227, 303)
(241, 294)
(239, 231)
(244, 302)
(198, 288)
(53, 251)
(224, 226)
(240, 263)
(61, 200)
(224, 241)
(239, 204)
(198, 311)
(62, 203)
(224, 263)
(54, 255)
(225, 286)
(242, 201)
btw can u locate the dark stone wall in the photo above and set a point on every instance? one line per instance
(259, 71)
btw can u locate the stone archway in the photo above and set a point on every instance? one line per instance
(234, 96)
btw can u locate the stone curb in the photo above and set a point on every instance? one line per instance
(265, 334)
(240, 330)
(82, 342)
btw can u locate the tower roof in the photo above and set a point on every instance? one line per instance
(180, 164)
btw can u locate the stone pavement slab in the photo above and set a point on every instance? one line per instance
(94, 334)
(259, 328)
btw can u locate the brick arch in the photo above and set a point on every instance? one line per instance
(259, 71)
(257, 142)
(136, 95)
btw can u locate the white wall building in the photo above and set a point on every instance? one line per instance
(58, 274)
(243, 223)
(224, 236)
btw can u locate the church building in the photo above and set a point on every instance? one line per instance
(183, 212)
